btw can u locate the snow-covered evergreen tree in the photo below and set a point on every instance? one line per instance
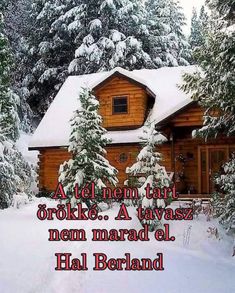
(214, 85)
(87, 146)
(18, 28)
(18, 23)
(148, 166)
(178, 20)
(15, 173)
(83, 36)
(226, 206)
(204, 17)
(100, 34)
(214, 88)
(9, 117)
(47, 54)
(112, 33)
(166, 43)
(225, 8)
(199, 27)
(195, 34)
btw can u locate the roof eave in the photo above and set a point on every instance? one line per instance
(160, 124)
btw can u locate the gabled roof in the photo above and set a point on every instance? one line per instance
(118, 71)
(54, 129)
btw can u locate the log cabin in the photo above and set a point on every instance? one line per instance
(126, 100)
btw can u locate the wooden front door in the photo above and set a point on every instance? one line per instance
(211, 159)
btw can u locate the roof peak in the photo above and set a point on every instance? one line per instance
(126, 73)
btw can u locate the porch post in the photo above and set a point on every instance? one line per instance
(172, 140)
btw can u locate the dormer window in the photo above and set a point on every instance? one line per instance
(120, 105)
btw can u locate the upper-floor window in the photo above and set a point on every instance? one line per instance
(120, 105)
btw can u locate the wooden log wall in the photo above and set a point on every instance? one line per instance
(182, 158)
(178, 130)
(137, 103)
(50, 160)
(193, 116)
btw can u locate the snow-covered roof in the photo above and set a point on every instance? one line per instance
(173, 110)
(128, 74)
(54, 129)
(129, 136)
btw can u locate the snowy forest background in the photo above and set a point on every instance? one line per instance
(44, 41)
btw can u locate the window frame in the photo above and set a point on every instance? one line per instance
(127, 103)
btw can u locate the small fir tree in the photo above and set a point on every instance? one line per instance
(86, 144)
(148, 166)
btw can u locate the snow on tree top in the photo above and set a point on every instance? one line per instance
(54, 129)
(229, 30)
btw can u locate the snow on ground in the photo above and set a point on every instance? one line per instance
(27, 259)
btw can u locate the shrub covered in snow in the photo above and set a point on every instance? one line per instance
(15, 173)
(19, 200)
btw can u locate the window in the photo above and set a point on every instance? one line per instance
(123, 158)
(120, 105)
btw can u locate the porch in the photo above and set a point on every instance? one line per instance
(194, 162)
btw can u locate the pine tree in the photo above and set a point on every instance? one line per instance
(113, 30)
(17, 22)
(15, 173)
(148, 165)
(224, 8)
(199, 27)
(204, 18)
(8, 118)
(166, 43)
(213, 87)
(86, 145)
(101, 34)
(48, 54)
(194, 39)
(178, 20)
(18, 29)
